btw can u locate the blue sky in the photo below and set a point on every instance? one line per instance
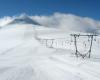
(87, 8)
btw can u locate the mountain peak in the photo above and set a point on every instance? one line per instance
(23, 19)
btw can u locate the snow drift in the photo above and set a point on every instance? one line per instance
(23, 57)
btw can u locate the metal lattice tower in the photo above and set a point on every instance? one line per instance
(77, 53)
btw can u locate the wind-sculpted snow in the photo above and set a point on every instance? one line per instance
(24, 57)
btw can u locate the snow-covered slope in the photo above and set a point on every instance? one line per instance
(23, 57)
(23, 19)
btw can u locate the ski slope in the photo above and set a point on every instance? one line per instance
(23, 57)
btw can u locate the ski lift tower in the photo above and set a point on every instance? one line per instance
(77, 53)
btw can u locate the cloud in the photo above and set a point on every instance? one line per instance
(67, 22)
(5, 20)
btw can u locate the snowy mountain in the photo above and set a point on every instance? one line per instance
(46, 53)
(23, 19)
(66, 22)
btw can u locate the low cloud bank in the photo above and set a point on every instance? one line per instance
(67, 22)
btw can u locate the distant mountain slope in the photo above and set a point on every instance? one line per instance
(24, 19)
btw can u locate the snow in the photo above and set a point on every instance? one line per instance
(23, 57)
